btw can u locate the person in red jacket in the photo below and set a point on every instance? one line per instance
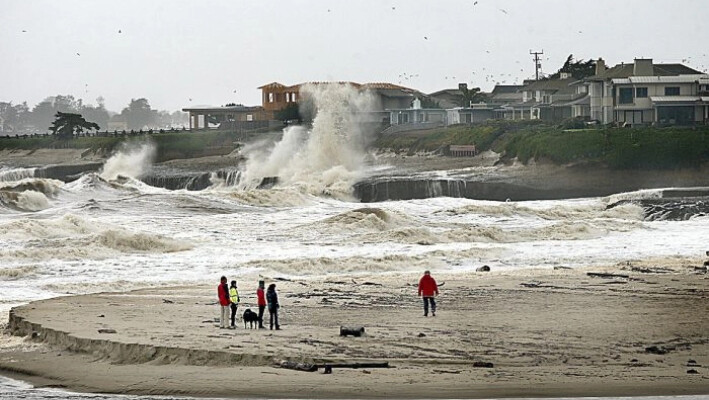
(428, 289)
(261, 297)
(224, 302)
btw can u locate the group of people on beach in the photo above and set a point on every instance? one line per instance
(229, 301)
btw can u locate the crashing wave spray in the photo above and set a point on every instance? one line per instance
(329, 157)
(130, 161)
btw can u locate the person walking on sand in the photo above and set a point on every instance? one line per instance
(223, 293)
(261, 301)
(428, 289)
(273, 306)
(234, 298)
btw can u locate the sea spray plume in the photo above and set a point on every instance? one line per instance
(264, 162)
(131, 161)
(329, 157)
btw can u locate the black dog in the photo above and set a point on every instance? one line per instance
(250, 317)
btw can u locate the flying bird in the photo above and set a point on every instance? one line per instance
(78, 54)
(504, 11)
(24, 31)
(393, 8)
(119, 31)
(475, 4)
(425, 37)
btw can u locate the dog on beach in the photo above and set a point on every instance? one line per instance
(251, 318)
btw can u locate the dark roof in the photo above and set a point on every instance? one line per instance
(550, 84)
(506, 89)
(673, 69)
(450, 92)
(626, 70)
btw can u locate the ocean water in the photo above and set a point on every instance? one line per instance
(108, 231)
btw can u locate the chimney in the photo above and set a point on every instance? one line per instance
(600, 66)
(643, 67)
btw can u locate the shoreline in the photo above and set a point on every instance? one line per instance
(547, 333)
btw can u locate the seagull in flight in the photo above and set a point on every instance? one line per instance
(425, 37)
(78, 54)
(504, 11)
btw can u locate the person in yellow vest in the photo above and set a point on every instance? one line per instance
(234, 297)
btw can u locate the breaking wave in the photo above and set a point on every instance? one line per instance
(584, 211)
(73, 238)
(275, 197)
(325, 160)
(130, 161)
(24, 201)
(367, 219)
(16, 272)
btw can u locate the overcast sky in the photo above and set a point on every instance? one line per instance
(215, 52)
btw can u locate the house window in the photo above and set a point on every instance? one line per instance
(672, 91)
(292, 96)
(641, 92)
(249, 117)
(625, 95)
(270, 97)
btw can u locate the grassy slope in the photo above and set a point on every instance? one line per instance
(170, 145)
(620, 148)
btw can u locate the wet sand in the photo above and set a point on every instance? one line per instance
(547, 333)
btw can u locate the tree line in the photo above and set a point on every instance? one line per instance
(138, 114)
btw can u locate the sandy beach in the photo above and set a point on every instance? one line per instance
(546, 333)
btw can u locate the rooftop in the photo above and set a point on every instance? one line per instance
(626, 70)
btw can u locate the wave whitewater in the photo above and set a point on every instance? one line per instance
(17, 272)
(74, 238)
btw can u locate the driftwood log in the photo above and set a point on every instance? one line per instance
(606, 275)
(355, 331)
(328, 367)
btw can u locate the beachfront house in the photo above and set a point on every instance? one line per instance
(276, 96)
(231, 116)
(643, 92)
(549, 99)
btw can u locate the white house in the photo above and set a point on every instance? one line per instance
(643, 93)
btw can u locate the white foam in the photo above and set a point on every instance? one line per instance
(16, 174)
(328, 159)
(130, 161)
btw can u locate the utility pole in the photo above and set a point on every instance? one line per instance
(537, 63)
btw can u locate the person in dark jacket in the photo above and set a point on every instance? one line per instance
(223, 294)
(428, 289)
(273, 306)
(261, 301)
